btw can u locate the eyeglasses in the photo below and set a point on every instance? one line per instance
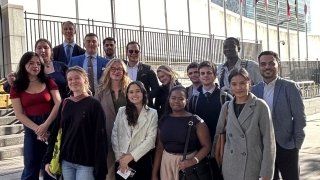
(135, 51)
(112, 69)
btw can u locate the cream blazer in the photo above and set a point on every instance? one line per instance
(138, 140)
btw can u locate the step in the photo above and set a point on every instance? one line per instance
(7, 120)
(11, 151)
(6, 111)
(10, 168)
(13, 139)
(11, 129)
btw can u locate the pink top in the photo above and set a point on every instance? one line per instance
(35, 104)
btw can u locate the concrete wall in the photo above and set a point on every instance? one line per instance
(312, 106)
(13, 36)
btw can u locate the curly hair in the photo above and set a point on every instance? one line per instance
(22, 79)
(105, 80)
(131, 110)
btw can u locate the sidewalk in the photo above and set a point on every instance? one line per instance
(10, 169)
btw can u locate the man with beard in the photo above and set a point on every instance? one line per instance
(285, 102)
(109, 48)
(193, 74)
(68, 48)
(231, 49)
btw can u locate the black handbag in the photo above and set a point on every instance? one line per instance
(200, 171)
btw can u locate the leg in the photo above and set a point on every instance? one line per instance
(31, 166)
(287, 161)
(68, 170)
(84, 172)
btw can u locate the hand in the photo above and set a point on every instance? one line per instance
(11, 77)
(186, 163)
(154, 177)
(41, 130)
(124, 161)
(265, 178)
(46, 168)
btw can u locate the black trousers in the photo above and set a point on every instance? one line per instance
(143, 168)
(287, 163)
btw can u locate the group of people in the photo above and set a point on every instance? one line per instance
(116, 118)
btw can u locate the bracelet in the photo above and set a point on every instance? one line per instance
(196, 159)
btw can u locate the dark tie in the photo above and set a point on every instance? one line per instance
(207, 94)
(90, 74)
(68, 53)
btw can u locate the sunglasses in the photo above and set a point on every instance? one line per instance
(135, 51)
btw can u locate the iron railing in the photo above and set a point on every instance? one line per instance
(159, 46)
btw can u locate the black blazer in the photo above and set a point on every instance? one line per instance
(147, 76)
(149, 79)
(60, 55)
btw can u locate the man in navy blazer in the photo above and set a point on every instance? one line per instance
(91, 44)
(287, 109)
(68, 48)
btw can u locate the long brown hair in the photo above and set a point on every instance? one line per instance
(131, 110)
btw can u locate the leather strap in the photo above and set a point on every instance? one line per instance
(190, 124)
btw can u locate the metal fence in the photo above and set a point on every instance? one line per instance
(158, 46)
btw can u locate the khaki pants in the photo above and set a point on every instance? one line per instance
(169, 165)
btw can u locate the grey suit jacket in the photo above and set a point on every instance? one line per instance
(288, 114)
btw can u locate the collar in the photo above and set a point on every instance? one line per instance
(210, 90)
(135, 66)
(238, 63)
(65, 44)
(272, 83)
(94, 55)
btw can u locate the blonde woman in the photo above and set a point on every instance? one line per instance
(83, 151)
(168, 79)
(112, 95)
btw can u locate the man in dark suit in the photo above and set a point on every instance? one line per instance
(285, 102)
(90, 61)
(138, 71)
(68, 48)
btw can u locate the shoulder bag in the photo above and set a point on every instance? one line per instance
(219, 149)
(55, 164)
(200, 171)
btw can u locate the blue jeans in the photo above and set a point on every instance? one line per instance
(71, 171)
(33, 152)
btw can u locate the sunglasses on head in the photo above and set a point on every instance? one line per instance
(135, 51)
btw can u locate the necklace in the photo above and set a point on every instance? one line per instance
(47, 65)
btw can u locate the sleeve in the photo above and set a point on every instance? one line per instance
(255, 73)
(149, 140)
(268, 141)
(56, 53)
(52, 85)
(101, 144)
(220, 125)
(13, 93)
(153, 80)
(53, 137)
(114, 134)
(298, 114)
